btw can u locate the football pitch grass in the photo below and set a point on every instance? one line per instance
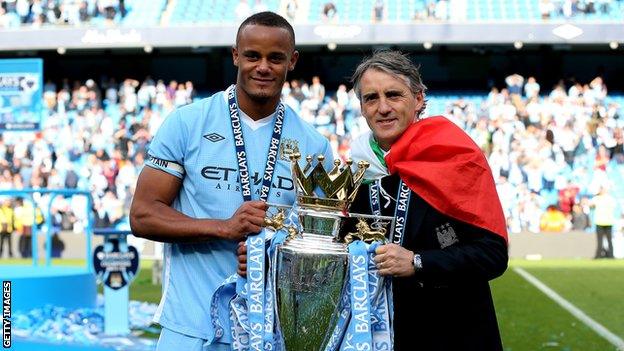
(529, 320)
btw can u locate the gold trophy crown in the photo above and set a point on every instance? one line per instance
(337, 187)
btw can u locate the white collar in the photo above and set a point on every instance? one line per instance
(249, 122)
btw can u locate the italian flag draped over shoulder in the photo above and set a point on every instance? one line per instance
(441, 163)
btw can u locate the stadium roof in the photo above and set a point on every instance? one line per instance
(319, 34)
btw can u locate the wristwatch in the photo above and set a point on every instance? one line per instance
(417, 263)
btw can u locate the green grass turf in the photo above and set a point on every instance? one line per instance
(55, 261)
(528, 319)
(594, 286)
(142, 288)
(531, 321)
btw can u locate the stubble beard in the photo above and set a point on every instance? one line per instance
(261, 96)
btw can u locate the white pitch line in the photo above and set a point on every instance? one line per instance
(575, 311)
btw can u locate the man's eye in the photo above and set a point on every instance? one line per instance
(370, 98)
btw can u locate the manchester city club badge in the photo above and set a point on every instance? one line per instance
(288, 147)
(446, 235)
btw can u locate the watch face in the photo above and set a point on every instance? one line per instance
(417, 262)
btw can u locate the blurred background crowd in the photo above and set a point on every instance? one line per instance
(552, 151)
(555, 151)
(16, 13)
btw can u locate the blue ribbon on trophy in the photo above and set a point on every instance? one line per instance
(250, 302)
(359, 335)
(253, 293)
(381, 292)
(245, 308)
(321, 289)
(379, 335)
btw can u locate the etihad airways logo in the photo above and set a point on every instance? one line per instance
(228, 179)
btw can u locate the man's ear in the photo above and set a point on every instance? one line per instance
(235, 55)
(420, 101)
(293, 60)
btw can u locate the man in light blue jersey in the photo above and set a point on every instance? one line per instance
(212, 166)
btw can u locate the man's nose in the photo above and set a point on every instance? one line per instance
(263, 66)
(384, 106)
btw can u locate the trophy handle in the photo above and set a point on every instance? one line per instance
(366, 233)
(276, 221)
(376, 231)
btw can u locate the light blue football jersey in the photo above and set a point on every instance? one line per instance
(196, 143)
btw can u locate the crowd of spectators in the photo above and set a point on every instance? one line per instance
(547, 149)
(573, 8)
(94, 137)
(433, 10)
(14, 13)
(423, 10)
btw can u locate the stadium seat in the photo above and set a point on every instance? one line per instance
(143, 13)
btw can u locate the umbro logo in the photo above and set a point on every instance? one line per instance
(214, 137)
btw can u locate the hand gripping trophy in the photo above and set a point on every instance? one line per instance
(310, 268)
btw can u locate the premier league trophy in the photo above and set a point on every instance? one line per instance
(310, 268)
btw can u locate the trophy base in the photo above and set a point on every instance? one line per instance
(310, 277)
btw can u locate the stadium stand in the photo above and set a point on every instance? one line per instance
(145, 13)
(217, 11)
(135, 13)
(535, 10)
(511, 10)
(539, 143)
(584, 10)
(391, 11)
(548, 147)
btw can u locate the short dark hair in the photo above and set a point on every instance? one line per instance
(267, 19)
